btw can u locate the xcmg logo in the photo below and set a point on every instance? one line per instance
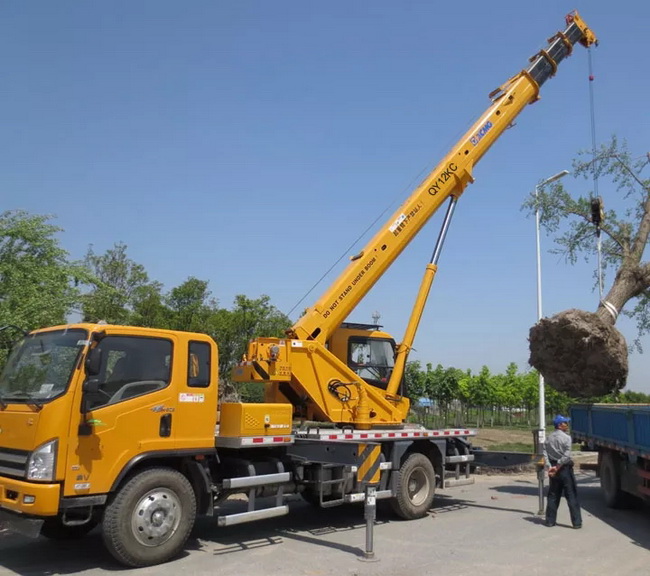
(482, 131)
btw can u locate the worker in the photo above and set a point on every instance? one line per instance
(558, 461)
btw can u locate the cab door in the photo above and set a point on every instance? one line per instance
(130, 411)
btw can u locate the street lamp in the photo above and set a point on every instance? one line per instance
(541, 435)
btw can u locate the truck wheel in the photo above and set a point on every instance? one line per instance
(416, 487)
(610, 482)
(150, 518)
(54, 529)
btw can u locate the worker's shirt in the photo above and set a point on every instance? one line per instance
(557, 448)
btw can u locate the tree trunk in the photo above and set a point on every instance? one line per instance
(630, 281)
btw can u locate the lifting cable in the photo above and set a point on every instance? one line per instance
(597, 208)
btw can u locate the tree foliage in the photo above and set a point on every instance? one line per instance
(115, 281)
(37, 282)
(451, 396)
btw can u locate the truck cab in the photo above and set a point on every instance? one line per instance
(82, 405)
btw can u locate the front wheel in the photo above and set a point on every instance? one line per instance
(150, 518)
(416, 487)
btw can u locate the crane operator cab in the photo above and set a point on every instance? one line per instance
(367, 350)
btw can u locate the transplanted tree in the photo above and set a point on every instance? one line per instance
(577, 351)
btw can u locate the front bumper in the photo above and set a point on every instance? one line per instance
(29, 498)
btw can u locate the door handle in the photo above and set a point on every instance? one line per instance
(165, 425)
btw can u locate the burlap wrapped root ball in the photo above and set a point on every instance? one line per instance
(579, 354)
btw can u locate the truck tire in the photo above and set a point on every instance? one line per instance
(416, 487)
(54, 529)
(610, 482)
(150, 518)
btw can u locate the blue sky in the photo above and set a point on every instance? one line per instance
(251, 143)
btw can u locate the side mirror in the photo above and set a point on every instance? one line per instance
(93, 362)
(90, 386)
(90, 389)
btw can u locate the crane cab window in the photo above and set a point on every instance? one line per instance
(373, 359)
(132, 366)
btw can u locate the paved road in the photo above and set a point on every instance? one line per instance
(486, 529)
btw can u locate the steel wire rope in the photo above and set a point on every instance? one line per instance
(595, 198)
(408, 187)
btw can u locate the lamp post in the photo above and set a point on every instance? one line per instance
(541, 434)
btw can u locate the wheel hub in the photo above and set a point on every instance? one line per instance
(156, 517)
(418, 487)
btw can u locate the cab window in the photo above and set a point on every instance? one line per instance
(198, 370)
(373, 359)
(132, 366)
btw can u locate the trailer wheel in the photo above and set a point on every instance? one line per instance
(416, 487)
(150, 518)
(54, 529)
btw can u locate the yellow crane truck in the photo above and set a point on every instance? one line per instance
(120, 425)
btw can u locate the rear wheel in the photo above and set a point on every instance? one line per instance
(151, 518)
(610, 482)
(416, 487)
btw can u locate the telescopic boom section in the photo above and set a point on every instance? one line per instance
(447, 180)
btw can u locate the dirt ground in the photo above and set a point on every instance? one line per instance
(490, 436)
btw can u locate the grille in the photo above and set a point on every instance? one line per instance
(13, 462)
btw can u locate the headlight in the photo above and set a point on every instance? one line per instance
(42, 462)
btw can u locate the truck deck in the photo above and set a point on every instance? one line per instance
(623, 427)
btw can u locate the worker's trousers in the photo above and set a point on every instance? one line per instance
(563, 483)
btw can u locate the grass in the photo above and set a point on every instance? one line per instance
(512, 447)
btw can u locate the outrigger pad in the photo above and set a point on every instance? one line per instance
(579, 354)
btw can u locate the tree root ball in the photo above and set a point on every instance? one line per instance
(579, 354)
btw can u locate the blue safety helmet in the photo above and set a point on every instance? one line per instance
(560, 420)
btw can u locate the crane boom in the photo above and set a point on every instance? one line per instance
(321, 367)
(449, 178)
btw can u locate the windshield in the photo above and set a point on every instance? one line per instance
(40, 366)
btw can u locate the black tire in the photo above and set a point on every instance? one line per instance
(54, 529)
(610, 482)
(150, 518)
(416, 487)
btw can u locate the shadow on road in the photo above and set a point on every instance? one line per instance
(304, 523)
(28, 557)
(633, 523)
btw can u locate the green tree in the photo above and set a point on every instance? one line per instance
(149, 309)
(115, 282)
(414, 380)
(37, 282)
(233, 329)
(190, 306)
